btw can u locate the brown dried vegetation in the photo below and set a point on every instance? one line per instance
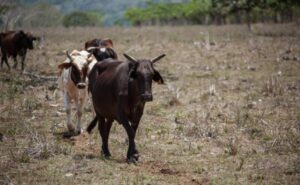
(228, 114)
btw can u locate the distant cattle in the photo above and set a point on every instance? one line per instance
(73, 82)
(14, 43)
(101, 49)
(119, 92)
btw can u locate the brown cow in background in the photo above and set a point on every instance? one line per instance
(101, 49)
(14, 43)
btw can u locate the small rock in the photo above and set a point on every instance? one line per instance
(251, 105)
(286, 57)
(279, 73)
(251, 68)
(29, 87)
(69, 175)
(59, 113)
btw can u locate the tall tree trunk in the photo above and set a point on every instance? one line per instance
(248, 20)
(238, 17)
(262, 17)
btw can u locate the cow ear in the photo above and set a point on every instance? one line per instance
(132, 69)
(65, 65)
(112, 53)
(157, 77)
(107, 43)
(20, 34)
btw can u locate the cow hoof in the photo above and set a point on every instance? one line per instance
(136, 156)
(67, 135)
(78, 132)
(71, 128)
(105, 155)
(133, 159)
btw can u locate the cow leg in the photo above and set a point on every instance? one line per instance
(137, 117)
(4, 59)
(23, 55)
(132, 154)
(104, 129)
(15, 62)
(79, 115)
(67, 103)
(92, 125)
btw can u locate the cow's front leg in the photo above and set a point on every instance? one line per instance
(15, 62)
(79, 105)
(67, 103)
(23, 60)
(132, 153)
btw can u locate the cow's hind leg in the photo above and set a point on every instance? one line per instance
(15, 62)
(104, 129)
(92, 125)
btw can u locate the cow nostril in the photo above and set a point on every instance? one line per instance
(81, 85)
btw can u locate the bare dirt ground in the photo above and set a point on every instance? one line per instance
(229, 112)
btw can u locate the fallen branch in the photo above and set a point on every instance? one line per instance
(40, 77)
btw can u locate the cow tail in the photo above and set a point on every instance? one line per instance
(92, 125)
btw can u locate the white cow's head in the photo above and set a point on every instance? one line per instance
(79, 63)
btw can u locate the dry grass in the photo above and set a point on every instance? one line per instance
(228, 114)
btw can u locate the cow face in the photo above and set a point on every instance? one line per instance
(142, 72)
(78, 72)
(102, 52)
(25, 40)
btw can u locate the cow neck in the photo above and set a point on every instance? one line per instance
(133, 92)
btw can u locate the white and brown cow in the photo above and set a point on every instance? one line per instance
(73, 82)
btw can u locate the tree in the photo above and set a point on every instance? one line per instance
(40, 15)
(82, 19)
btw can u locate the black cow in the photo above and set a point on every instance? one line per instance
(15, 43)
(101, 49)
(119, 92)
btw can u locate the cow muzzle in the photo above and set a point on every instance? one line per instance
(146, 97)
(81, 85)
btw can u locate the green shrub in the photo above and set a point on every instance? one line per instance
(82, 19)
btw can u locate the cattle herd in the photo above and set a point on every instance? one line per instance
(119, 89)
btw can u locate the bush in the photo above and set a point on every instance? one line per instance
(82, 19)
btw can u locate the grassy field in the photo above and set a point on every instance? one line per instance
(229, 112)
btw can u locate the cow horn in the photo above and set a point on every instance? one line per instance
(158, 58)
(91, 48)
(89, 60)
(69, 57)
(129, 57)
(89, 55)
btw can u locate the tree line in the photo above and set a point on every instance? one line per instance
(215, 12)
(42, 14)
(154, 12)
